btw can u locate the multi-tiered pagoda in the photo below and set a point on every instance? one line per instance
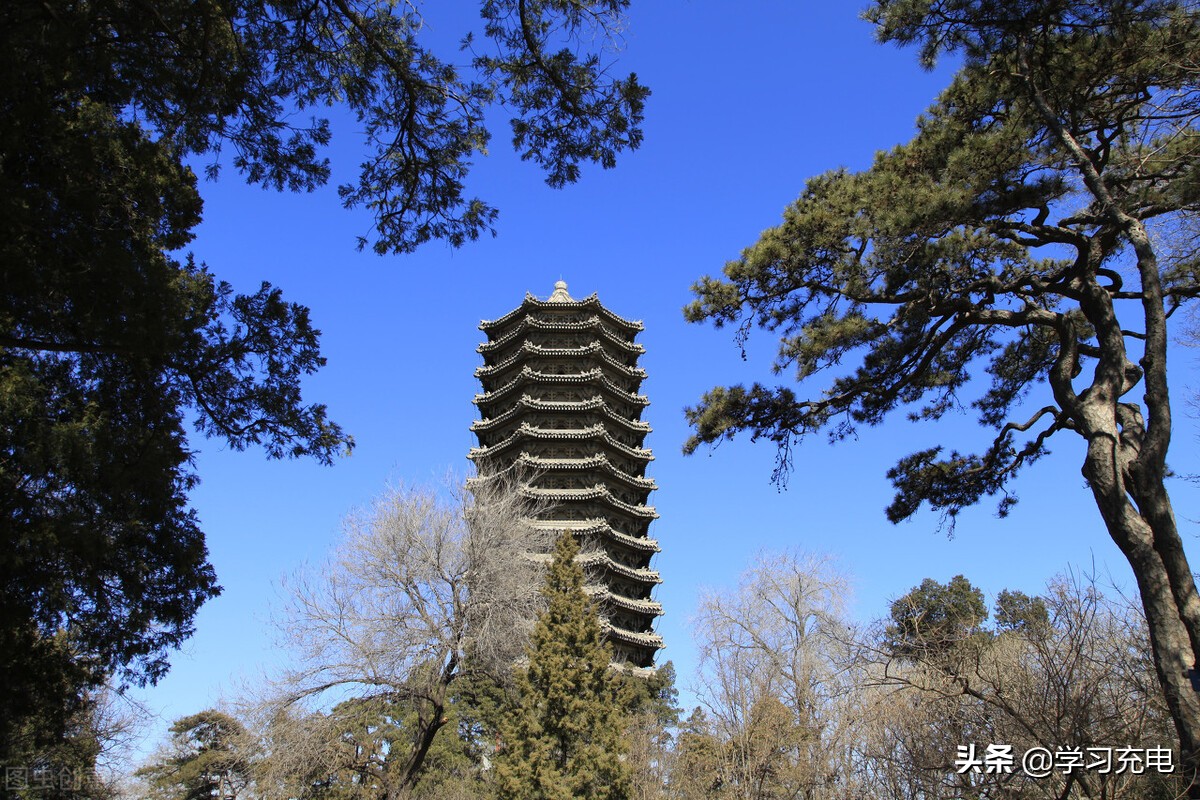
(560, 400)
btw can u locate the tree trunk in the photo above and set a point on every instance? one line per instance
(429, 721)
(1125, 465)
(1158, 564)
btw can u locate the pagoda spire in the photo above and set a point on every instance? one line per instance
(559, 295)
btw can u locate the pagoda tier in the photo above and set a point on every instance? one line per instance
(560, 401)
(550, 387)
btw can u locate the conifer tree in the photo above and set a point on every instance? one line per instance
(562, 738)
(209, 755)
(114, 342)
(1024, 256)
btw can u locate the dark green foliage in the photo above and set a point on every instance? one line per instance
(57, 753)
(104, 564)
(960, 253)
(39, 714)
(105, 342)
(1020, 613)
(935, 617)
(451, 768)
(652, 693)
(371, 754)
(109, 340)
(244, 76)
(456, 764)
(208, 752)
(363, 748)
(355, 756)
(698, 768)
(562, 737)
(1026, 235)
(555, 91)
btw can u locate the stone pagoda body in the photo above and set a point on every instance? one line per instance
(560, 401)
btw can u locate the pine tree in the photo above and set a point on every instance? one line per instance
(562, 738)
(209, 756)
(114, 342)
(1023, 256)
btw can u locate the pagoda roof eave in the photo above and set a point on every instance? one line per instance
(639, 575)
(537, 465)
(600, 493)
(594, 377)
(526, 431)
(601, 527)
(598, 461)
(604, 595)
(591, 323)
(631, 637)
(595, 403)
(528, 349)
(531, 303)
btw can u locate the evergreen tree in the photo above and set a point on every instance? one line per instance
(1023, 256)
(113, 342)
(934, 617)
(209, 756)
(562, 738)
(698, 769)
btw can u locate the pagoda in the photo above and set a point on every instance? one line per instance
(560, 402)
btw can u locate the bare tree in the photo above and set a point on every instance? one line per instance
(424, 589)
(799, 705)
(772, 677)
(652, 711)
(115, 720)
(1070, 669)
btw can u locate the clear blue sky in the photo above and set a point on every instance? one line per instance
(748, 101)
